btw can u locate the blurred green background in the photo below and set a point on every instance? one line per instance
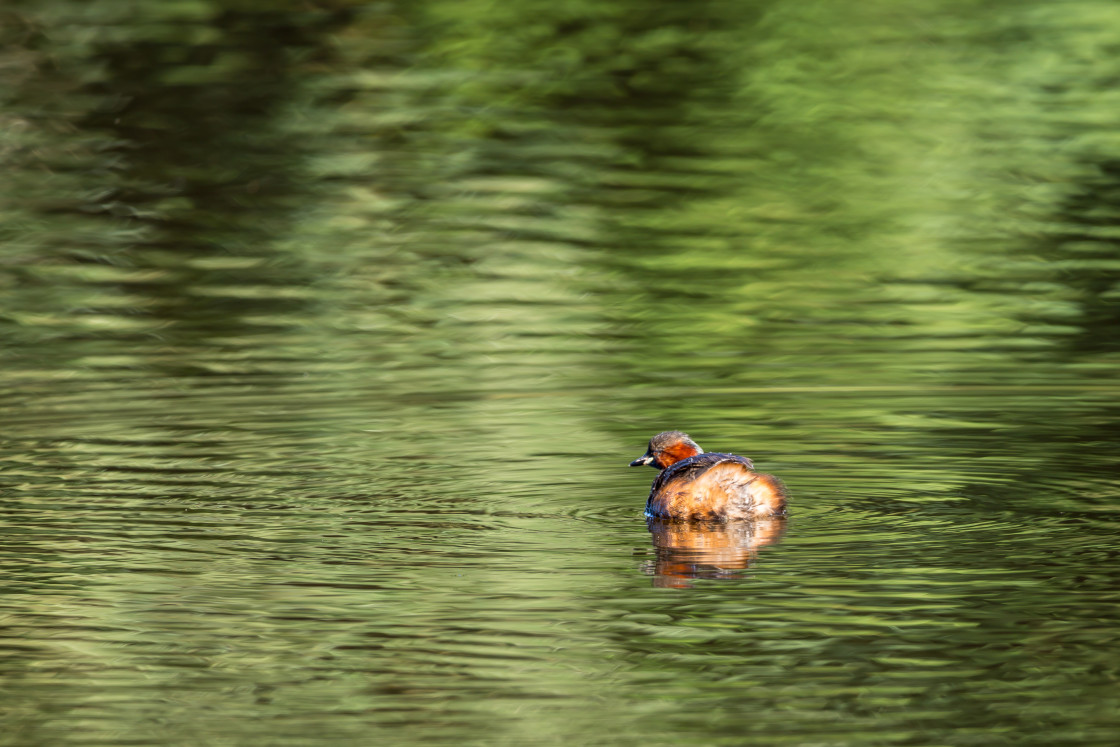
(329, 328)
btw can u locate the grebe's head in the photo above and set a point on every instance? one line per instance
(667, 448)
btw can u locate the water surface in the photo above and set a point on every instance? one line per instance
(329, 330)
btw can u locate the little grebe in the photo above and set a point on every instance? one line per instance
(712, 486)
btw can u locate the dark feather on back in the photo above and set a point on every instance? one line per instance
(691, 468)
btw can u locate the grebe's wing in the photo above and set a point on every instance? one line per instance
(691, 468)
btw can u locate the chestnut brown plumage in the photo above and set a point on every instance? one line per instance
(711, 486)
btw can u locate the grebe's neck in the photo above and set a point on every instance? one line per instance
(676, 452)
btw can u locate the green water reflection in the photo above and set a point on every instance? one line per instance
(329, 329)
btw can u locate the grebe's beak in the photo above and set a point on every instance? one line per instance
(643, 460)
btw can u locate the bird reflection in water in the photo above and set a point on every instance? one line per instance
(688, 550)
